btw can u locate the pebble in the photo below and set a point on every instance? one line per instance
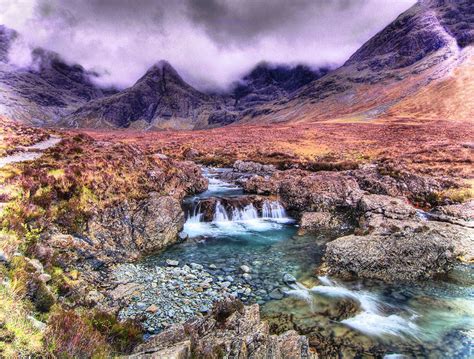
(276, 294)
(152, 309)
(245, 269)
(288, 278)
(196, 266)
(172, 263)
(247, 277)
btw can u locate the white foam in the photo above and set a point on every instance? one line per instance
(379, 325)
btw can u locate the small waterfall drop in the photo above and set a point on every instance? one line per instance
(273, 210)
(245, 214)
(371, 320)
(220, 214)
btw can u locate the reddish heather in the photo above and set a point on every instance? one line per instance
(438, 148)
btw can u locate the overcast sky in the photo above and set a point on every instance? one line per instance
(210, 42)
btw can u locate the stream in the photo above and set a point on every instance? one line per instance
(257, 252)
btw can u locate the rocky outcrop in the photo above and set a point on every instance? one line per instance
(414, 252)
(461, 214)
(131, 229)
(253, 167)
(231, 330)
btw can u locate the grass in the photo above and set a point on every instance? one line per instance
(24, 339)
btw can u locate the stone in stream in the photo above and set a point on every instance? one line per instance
(246, 269)
(212, 266)
(289, 279)
(172, 263)
(276, 294)
(183, 236)
(247, 277)
(152, 309)
(196, 266)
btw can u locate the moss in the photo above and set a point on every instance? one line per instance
(43, 299)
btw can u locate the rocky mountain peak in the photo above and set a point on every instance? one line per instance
(426, 28)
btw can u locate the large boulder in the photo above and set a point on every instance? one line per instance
(384, 214)
(322, 191)
(229, 331)
(413, 251)
(131, 229)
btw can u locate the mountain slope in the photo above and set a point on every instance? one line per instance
(161, 98)
(424, 44)
(45, 91)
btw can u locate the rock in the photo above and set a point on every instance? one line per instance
(461, 214)
(172, 263)
(253, 167)
(94, 297)
(382, 213)
(225, 284)
(133, 228)
(36, 264)
(289, 279)
(196, 266)
(229, 278)
(320, 220)
(276, 294)
(3, 257)
(183, 236)
(141, 306)
(178, 351)
(212, 266)
(231, 330)
(414, 252)
(45, 278)
(152, 309)
(247, 277)
(245, 269)
(36, 323)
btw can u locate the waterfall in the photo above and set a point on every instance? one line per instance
(247, 213)
(195, 216)
(273, 210)
(220, 214)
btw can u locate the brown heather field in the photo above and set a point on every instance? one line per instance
(437, 148)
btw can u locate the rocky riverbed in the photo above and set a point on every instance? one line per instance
(164, 295)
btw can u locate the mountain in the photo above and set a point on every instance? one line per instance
(418, 55)
(269, 82)
(161, 98)
(423, 46)
(46, 90)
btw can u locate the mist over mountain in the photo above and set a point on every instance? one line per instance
(211, 43)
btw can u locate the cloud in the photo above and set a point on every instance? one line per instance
(210, 42)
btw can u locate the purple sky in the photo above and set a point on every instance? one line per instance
(210, 42)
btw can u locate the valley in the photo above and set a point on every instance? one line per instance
(301, 212)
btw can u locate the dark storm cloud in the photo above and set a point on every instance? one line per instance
(211, 42)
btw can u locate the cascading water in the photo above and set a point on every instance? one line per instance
(434, 317)
(273, 210)
(220, 213)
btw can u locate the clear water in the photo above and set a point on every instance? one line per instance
(432, 319)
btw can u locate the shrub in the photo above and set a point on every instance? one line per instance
(122, 336)
(70, 336)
